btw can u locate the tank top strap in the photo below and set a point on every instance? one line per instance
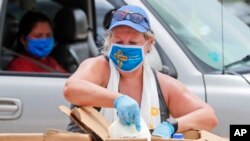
(106, 57)
(163, 106)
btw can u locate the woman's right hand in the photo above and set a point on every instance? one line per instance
(128, 111)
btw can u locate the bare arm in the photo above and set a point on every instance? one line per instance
(189, 110)
(86, 87)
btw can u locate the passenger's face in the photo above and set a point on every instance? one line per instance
(41, 30)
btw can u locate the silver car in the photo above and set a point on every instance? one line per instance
(207, 52)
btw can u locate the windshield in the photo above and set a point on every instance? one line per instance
(198, 25)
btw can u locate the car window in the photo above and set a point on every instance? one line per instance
(14, 12)
(73, 43)
(102, 9)
(239, 8)
(199, 28)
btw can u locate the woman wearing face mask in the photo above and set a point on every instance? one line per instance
(35, 43)
(124, 85)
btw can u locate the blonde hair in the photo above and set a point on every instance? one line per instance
(107, 43)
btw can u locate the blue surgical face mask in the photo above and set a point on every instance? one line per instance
(126, 57)
(41, 47)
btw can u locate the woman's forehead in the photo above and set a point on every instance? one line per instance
(42, 27)
(125, 31)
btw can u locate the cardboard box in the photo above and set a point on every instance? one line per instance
(93, 123)
(21, 137)
(58, 135)
(194, 135)
(50, 135)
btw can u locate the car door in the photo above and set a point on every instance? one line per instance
(229, 95)
(30, 103)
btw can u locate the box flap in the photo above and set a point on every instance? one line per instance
(90, 120)
(67, 111)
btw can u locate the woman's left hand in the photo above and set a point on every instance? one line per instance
(165, 130)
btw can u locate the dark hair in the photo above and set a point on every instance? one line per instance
(28, 22)
(107, 19)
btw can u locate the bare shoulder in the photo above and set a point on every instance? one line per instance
(164, 77)
(95, 63)
(94, 69)
(171, 88)
(170, 83)
(175, 93)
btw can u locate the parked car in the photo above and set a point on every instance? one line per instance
(193, 45)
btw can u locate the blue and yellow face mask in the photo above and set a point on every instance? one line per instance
(126, 57)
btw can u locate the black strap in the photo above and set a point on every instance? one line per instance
(106, 57)
(48, 68)
(163, 106)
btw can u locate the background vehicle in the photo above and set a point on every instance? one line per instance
(192, 45)
(241, 9)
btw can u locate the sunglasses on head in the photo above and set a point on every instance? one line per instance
(133, 17)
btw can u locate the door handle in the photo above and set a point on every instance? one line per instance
(10, 108)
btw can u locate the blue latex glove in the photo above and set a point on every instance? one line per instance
(128, 111)
(165, 130)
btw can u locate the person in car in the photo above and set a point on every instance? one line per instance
(35, 44)
(123, 84)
